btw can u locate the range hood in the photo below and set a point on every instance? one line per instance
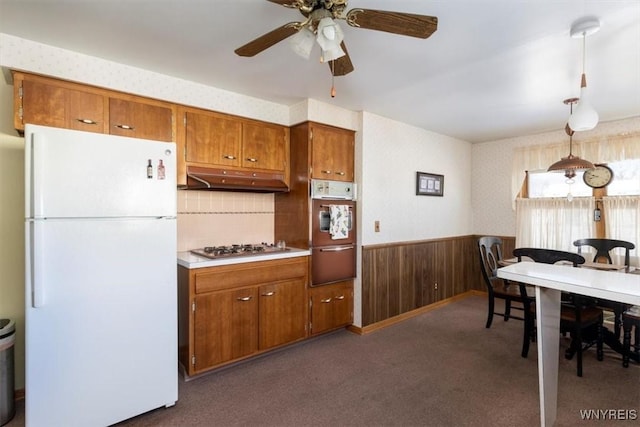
(204, 178)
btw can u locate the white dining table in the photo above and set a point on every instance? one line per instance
(550, 281)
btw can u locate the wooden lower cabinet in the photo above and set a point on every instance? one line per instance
(227, 313)
(330, 306)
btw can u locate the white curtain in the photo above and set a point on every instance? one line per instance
(598, 150)
(622, 214)
(554, 223)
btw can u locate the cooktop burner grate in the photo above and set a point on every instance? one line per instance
(214, 252)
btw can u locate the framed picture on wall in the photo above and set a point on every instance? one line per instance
(429, 184)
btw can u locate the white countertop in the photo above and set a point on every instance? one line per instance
(189, 260)
(611, 285)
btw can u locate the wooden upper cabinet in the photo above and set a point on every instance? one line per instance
(138, 119)
(212, 139)
(58, 103)
(332, 153)
(41, 102)
(264, 146)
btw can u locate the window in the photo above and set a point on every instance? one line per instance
(626, 178)
(554, 184)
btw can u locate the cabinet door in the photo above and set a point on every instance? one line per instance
(331, 307)
(48, 104)
(140, 120)
(332, 153)
(225, 326)
(212, 139)
(282, 313)
(263, 146)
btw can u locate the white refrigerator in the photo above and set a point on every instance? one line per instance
(101, 303)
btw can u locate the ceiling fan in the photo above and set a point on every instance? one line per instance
(319, 25)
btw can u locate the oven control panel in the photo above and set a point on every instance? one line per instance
(326, 189)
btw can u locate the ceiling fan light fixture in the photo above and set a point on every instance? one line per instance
(329, 34)
(332, 55)
(302, 42)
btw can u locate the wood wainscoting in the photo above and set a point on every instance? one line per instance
(404, 276)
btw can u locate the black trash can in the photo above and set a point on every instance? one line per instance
(7, 386)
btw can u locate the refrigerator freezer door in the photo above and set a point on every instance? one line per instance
(82, 174)
(102, 345)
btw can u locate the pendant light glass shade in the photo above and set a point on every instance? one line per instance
(585, 117)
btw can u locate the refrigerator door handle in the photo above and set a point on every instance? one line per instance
(36, 161)
(36, 255)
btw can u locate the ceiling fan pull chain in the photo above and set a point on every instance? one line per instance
(333, 76)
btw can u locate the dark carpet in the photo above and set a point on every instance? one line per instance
(441, 368)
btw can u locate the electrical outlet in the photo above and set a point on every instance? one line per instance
(435, 286)
(376, 226)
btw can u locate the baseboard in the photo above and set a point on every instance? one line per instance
(418, 311)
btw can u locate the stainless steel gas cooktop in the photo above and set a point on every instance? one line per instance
(217, 252)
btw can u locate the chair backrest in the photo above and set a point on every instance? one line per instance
(490, 249)
(548, 256)
(603, 248)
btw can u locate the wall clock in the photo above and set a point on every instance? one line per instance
(598, 177)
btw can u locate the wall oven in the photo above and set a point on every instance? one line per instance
(333, 232)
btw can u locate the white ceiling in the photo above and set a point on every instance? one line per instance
(494, 68)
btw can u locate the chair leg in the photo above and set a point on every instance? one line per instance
(526, 339)
(507, 309)
(578, 340)
(490, 313)
(626, 343)
(600, 340)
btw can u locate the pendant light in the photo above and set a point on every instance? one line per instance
(585, 117)
(570, 164)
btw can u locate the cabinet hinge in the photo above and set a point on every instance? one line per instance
(20, 91)
(193, 360)
(193, 306)
(21, 113)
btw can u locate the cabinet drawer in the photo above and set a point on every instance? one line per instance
(251, 273)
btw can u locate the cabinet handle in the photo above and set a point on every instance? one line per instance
(229, 157)
(87, 121)
(269, 294)
(252, 159)
(340, 173)
(341, 297)
(325, 301)
(125, 127)
(325, 171)
(244, 298)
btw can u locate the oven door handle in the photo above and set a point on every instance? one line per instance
(336, 249)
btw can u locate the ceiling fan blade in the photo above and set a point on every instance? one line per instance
(342, 65)
(267, 40)
(406, 24)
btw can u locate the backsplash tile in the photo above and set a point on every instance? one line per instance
(214, 218)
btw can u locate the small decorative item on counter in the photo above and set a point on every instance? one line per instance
(160, 170)
(149, 170)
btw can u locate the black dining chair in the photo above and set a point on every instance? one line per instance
(578, 314)
(603, 248)
(490, 249)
